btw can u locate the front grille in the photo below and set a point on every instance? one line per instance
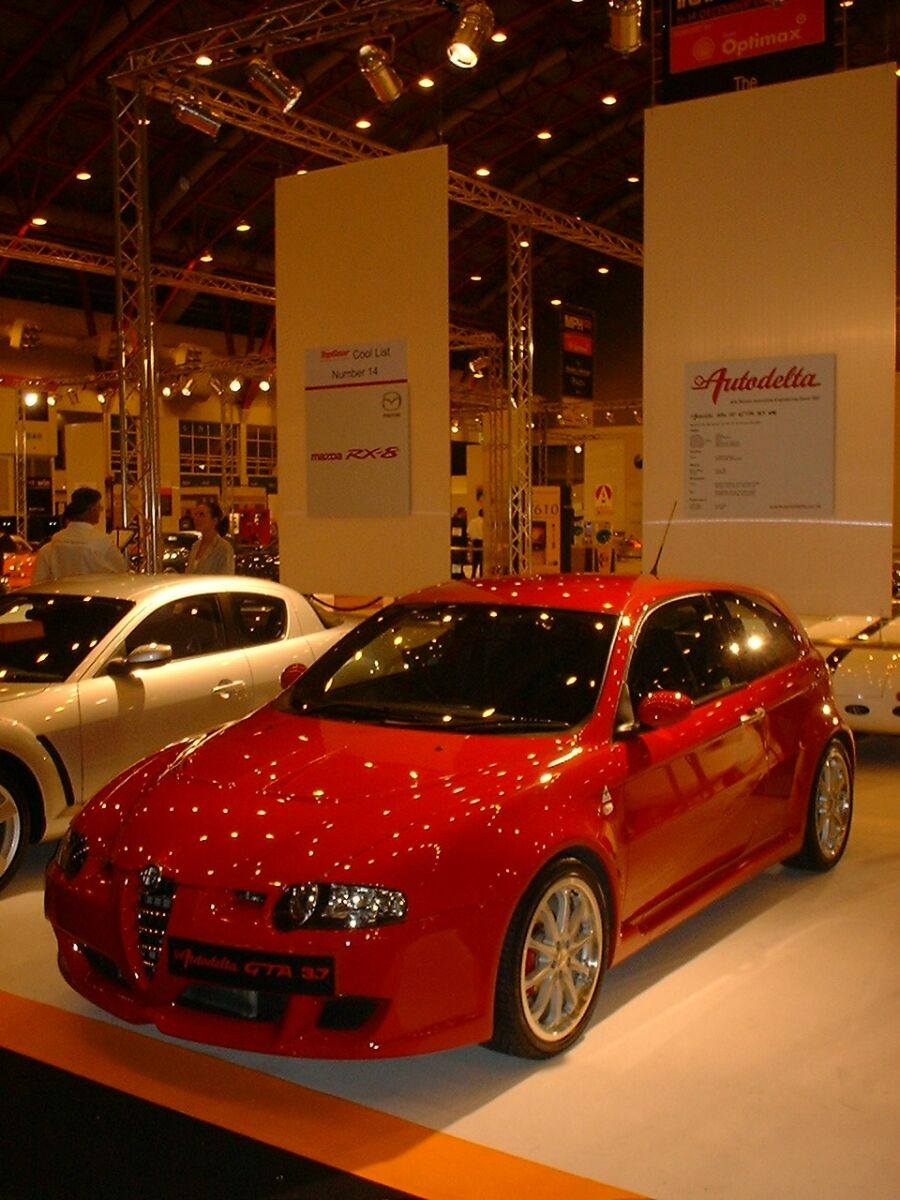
(154, 905)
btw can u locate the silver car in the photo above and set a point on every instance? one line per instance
(98, 671)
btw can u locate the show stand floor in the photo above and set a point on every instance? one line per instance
(752, 1054)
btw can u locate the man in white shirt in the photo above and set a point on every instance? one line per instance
(79, 548)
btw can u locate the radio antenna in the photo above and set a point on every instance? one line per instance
(654, 570)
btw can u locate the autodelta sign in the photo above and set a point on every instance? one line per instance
(725, 45)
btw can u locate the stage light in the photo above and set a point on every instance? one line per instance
(273, 84)
(472, 33)
(377, 68)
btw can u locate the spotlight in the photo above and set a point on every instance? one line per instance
(625, 26)
(236, 384)
(273, 84)
(215, 385)
(265, 385)
(101, 398)
(187, 387)
(31, 399)
(479, 365)
(472, 33)
(167, 389)
(375, 64)
(189, 112)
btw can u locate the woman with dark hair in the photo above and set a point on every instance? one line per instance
(79, 548)
(211, 554)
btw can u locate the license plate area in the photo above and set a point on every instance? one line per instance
(304, 974)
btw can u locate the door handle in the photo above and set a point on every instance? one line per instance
(755, 714)
(226, 688)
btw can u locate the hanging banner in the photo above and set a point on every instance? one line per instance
(577, 344)
(732, 45)
(357, 430)
(759, 437)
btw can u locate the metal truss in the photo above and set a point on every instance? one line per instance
(520, 350)
(168, 72)
(277, 30)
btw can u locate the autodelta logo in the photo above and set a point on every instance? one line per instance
(719, 381)
(356, 454)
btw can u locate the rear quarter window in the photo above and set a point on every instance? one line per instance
(760, 637)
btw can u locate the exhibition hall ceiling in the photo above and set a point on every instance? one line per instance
(552, 113)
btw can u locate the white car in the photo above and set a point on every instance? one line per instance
(98, 671)
(863, 655)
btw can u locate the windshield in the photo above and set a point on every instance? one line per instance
(466, 667)
(44, 638)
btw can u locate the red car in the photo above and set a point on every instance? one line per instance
(449, 827)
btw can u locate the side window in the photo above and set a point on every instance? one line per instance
(758, 637)
(679, 648)
(191, 626)
(259, 619)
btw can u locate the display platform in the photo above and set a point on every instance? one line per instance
(755, 1051)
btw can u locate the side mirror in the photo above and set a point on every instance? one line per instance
(292, 673)
(154, 654)
(660, 709)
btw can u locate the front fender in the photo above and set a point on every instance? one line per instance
(57, 797)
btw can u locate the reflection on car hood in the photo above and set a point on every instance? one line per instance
(261, 800)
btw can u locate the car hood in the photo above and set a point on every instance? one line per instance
(279, 797)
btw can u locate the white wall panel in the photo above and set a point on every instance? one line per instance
(770, 231)
(361, 256)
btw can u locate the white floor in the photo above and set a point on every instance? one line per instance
(753, 1054)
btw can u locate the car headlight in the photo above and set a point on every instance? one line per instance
(337, 906)
(71, 853)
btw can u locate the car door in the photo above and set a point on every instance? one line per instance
(267, 632)
(207, 684)
(778, 677)
(687, 802)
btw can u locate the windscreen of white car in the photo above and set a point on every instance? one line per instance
(44, 638)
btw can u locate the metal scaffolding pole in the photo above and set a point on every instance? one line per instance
(520, 348)
(135, 322)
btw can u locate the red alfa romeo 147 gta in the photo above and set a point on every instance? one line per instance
(456, 819)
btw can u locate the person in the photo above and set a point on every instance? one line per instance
(476, 540)
(211, 554)
(79, 548)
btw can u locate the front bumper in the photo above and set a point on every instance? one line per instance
(208, 965)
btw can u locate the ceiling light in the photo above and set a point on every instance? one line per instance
(544, 135)
(31, 398)
(624, 26)
(83, 176)
(378, 71)
(196, 116)
(273, 84)
(203, 60)
(498, 36)
(101, 397)
(236, 384)
(556, 302)
(39, 220)
(603, 270)
(609, 100)
(524, 243)
(426, 82)
(483, 171)
(51, 399)
(475, 27)
(301, 171)
(167, 389)
(206, 257)
(363, 123)
(243, 227)
(265, 385)
(578, 447)
(633, 178)
(475, 278)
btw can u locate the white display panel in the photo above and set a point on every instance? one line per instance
(770, 234)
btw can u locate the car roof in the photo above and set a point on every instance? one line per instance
(139, 587)
(612, 593)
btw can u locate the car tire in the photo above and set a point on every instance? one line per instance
(15, 824)
(829, 812)
(552, 962)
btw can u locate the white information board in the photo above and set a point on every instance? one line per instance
(759, 437)
(357, 430)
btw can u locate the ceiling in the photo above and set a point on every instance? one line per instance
(551, 74)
